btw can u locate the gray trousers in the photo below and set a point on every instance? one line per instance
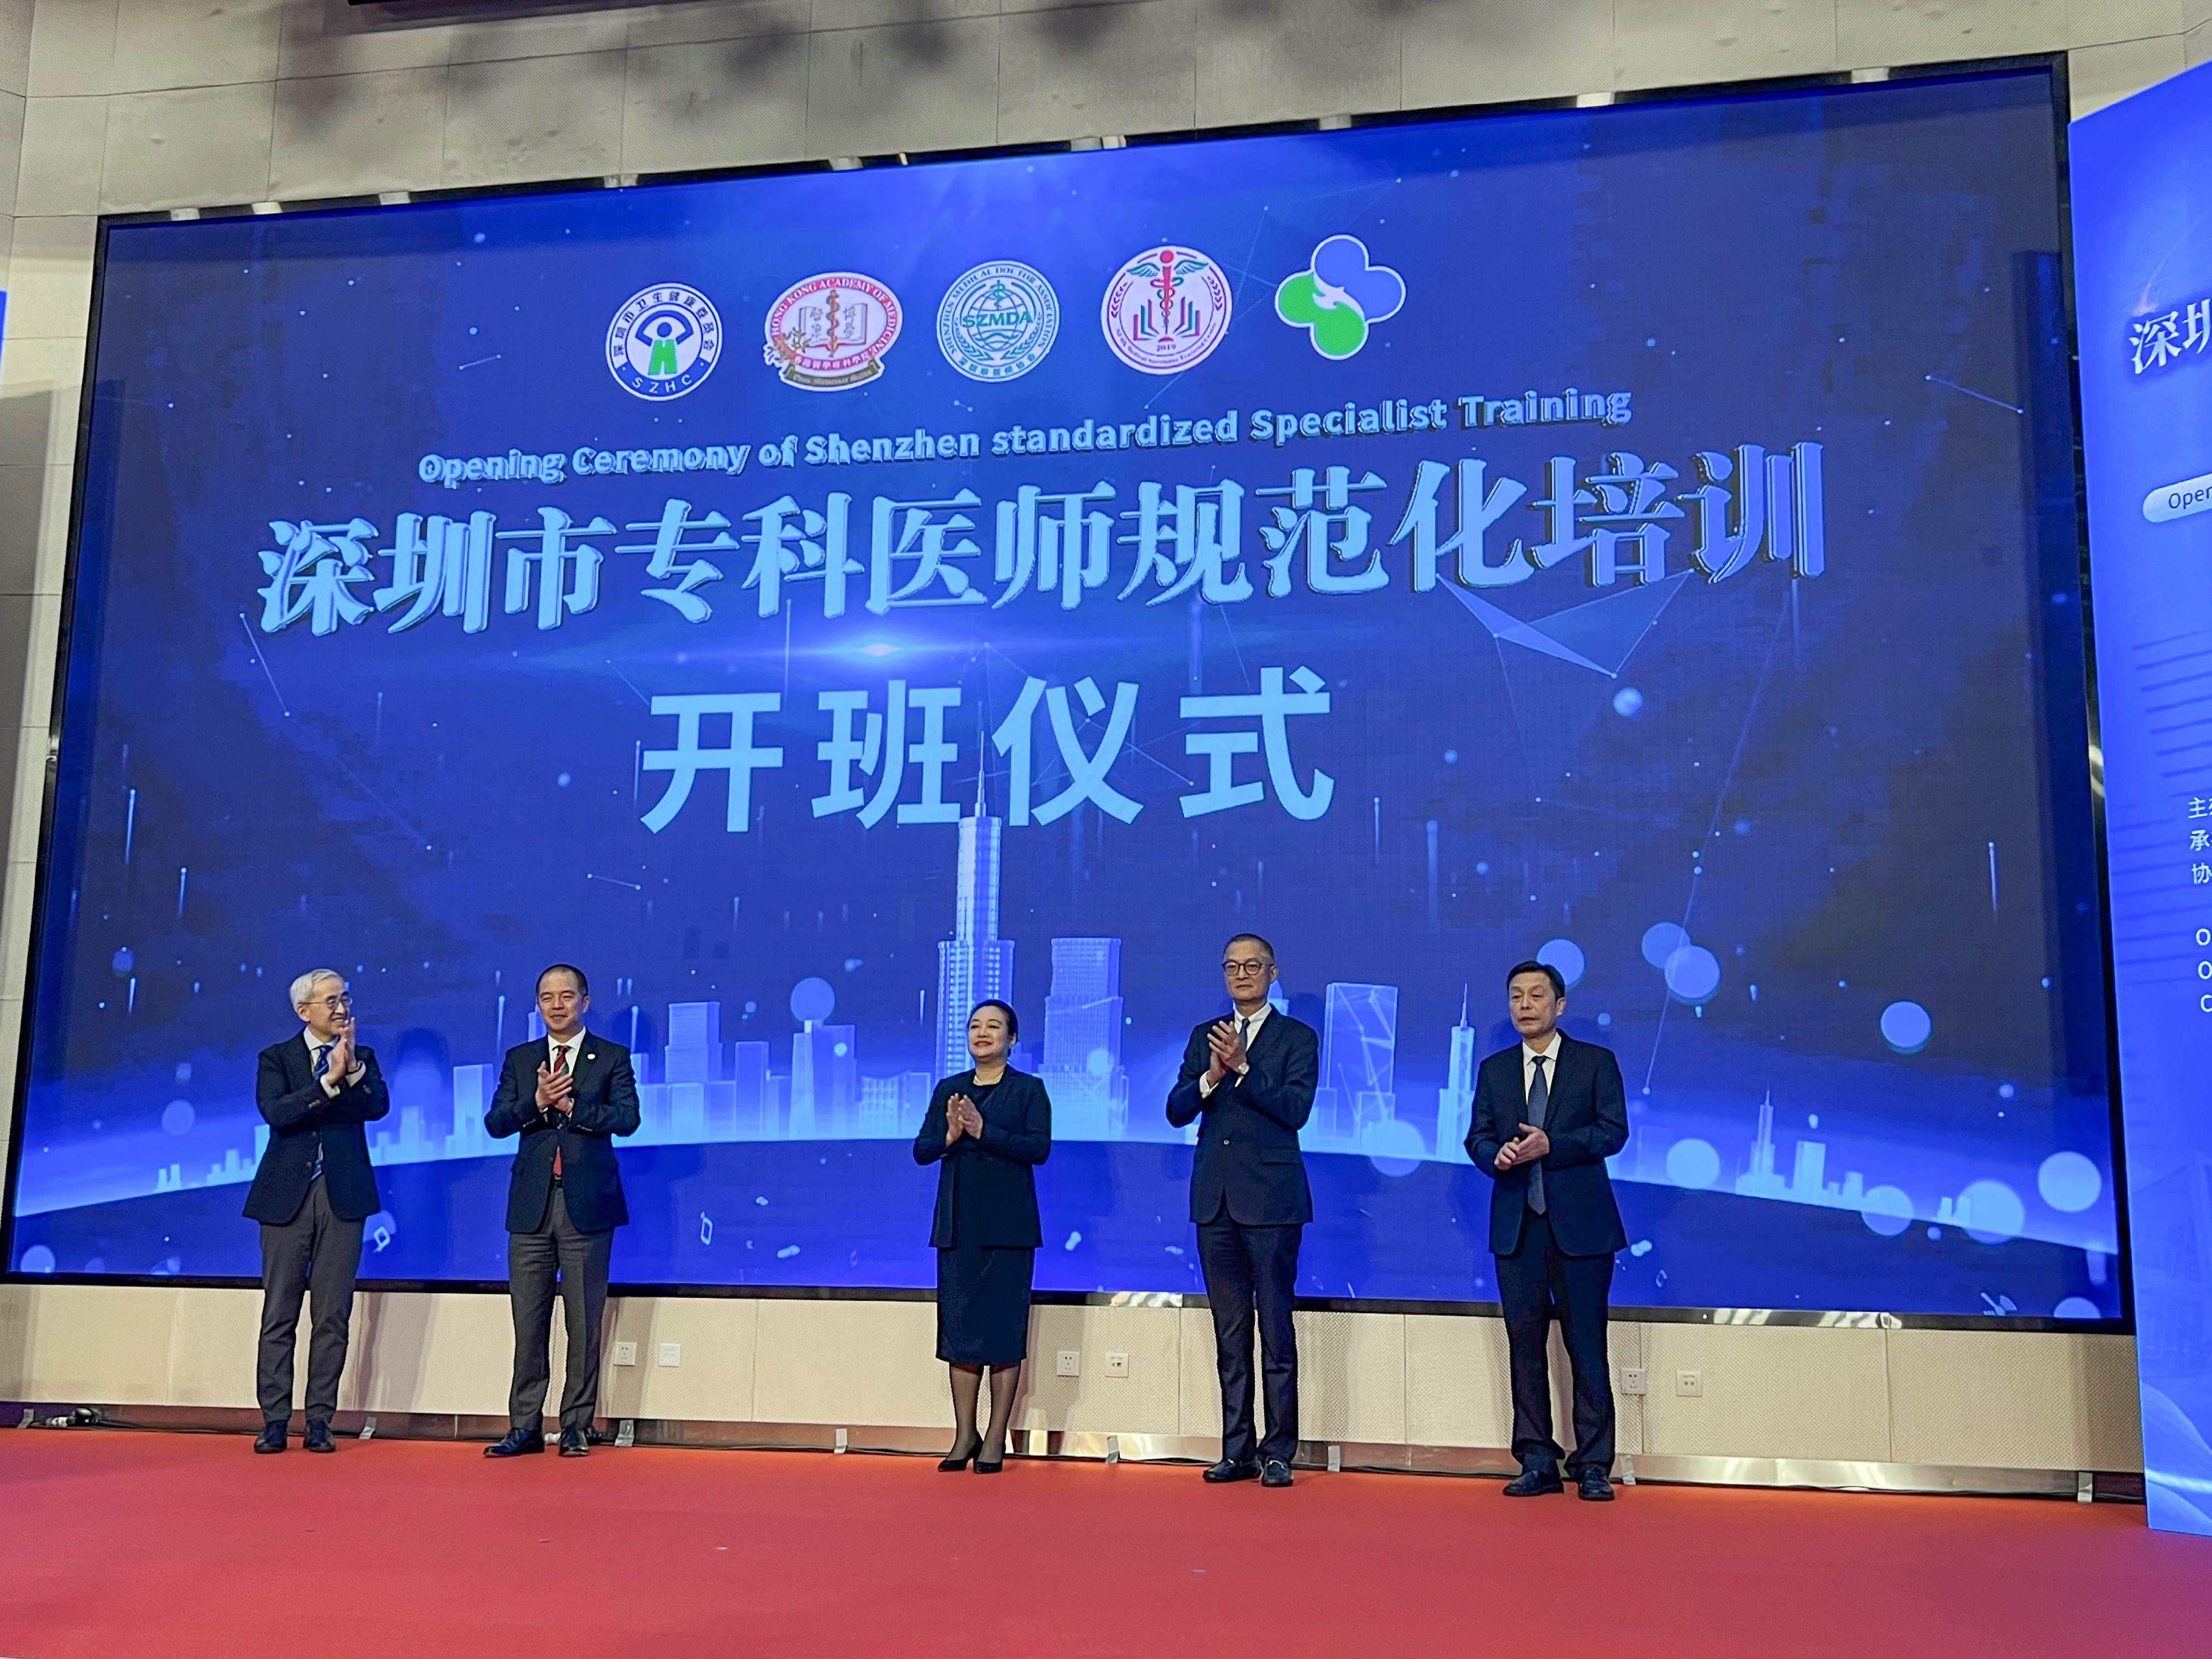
(315, 1251)
(532, 1260)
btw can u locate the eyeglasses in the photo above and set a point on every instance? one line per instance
(335, 1004)
(1245, 969)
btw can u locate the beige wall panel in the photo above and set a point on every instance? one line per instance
(2010, 1400)
(213, 1337)
(1770, 1391)
(205, 145)
(1096, 70)
(1458, 1388)
(38, 385)
(534, 118)
(49, 278)
(1148, 1400)
(717, 1339)
(917, 86)
(2098, 75)
(97, 1343)
(1456, 52)
(1887, 31)
(848, 1363)
(1659, 43)
(1298, 59)
(72, 47)
(160, 44)
(1201, 1382)
(1351, 1376)
(721, 103)
(329, 37)
(415, 1352)
(355, 135)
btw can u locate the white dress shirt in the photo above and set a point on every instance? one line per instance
(1550, 1054)
(1252, 1024)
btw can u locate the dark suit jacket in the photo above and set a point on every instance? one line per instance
(1588, 1122)
(606, 1106)
(291, 1098)
(986, 1189)
(1248, 1166)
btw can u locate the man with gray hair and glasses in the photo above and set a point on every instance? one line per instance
(312, 1193)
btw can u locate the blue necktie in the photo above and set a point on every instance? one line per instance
(322, 1059)
(1540, 1102)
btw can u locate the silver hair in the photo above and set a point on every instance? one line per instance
(303, 989)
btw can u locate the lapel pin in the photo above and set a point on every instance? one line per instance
(590, 1056)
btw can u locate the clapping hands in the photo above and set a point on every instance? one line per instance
(962, 1117)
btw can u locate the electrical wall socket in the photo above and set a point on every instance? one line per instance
(1070, 1362)
(1635, 1380)
(625, 1353)
(1117, 1364)
(672, 1353)
(1690, 1385)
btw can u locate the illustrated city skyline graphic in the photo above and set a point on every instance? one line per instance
(696, 1089)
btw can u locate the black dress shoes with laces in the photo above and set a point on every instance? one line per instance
(319, 1438)
(518, 1442)
(270, 1439)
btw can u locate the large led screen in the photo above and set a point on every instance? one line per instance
(1642, 538)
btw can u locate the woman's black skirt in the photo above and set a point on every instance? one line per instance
(983, 1304)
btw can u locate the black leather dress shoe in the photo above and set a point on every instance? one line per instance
(1534, 1480)
(519, 1442)
(270, 1439)
(1224, 1472)
(575, 1442)
(1274, 1473)
(319, 1438)
(1594, 1487)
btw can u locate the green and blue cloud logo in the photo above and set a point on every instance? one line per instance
(1340, 296)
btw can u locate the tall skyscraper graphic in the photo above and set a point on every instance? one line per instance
(694, 1054)
(1358, 1060)
(1759, 1181)
(974, 962)
(825, 1083)
(1081, 1068)
(1456, 1100)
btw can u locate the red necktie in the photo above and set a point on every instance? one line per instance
(559, 1069)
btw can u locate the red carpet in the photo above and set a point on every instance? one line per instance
(118, 1545)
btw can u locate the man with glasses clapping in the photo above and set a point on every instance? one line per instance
(312, 1191)
(1249, 1080)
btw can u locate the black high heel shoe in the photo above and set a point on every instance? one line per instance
(982, 1467)
(954, 1463)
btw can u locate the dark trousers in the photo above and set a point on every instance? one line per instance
(1248, 1270)
(313, 1252)
(533, 1259)
(1534, 1279)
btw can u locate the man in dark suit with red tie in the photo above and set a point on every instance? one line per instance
(567, 1095)
(1548, 1112)
(313, 1189)
(1250, 1079)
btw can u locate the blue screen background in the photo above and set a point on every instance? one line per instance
(1811, 841)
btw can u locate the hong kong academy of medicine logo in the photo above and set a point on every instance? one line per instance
(997, 321)
(664, 341)
(1166, 310)
(829, 332)
(1340, 296)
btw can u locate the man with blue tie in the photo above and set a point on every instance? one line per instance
(1250, 1079)
(567, 1095)
(1548, 1112)
(313, 1189)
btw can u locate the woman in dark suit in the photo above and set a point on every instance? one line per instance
(987, 1130)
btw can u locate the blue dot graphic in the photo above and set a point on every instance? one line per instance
(1661, 940)
(1567, 956)
(2068, 1182)
(1627, 703)
(1905, 1027)
(811, 1000)
(1694, 973)
(1693, 1163)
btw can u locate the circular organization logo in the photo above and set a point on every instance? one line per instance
(997, 321)
(1166, 310)
(664, 341)
(828, 333)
